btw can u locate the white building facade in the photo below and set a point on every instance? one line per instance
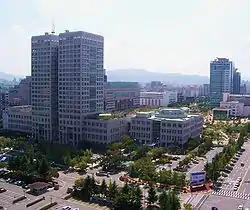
(168, 127)
(18, 118)
(158, 98)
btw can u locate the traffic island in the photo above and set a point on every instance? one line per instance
(35, 202)
(48, 206)
(19, 199)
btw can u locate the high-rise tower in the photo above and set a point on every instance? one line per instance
(221, 79)
(44, 71)
(80, 82)
(236, 82)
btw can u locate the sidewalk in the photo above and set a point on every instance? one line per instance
(91, 205)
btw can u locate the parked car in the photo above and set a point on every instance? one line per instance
(2, 190)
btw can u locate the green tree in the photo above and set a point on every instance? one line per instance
(188, 206)
(143, 169)
(44, 168)
(79, 183)
(152, 196)
(93, 186)
(136, 198)
(129, 198)
(164, 201)
(169, 200)
(87, 188)
(104, 188)
(156, 152)
(24, 164)
(112, 191)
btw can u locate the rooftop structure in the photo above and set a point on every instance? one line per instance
(168, 126)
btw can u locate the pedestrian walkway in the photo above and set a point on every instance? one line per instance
(232, 194)
(91, 205)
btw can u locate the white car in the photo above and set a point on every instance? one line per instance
(240, 207)
(67, 208)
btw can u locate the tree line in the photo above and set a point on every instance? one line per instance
(127, 197)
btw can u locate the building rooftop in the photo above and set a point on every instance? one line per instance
(38, 185)
(240, 95)
(232, 102)
(25, 108)
(168, 114)
(221, 108)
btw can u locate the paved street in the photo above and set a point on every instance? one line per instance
(232, 199)
(239, 171)
(222, 203)
(195, 168)
(211, 154)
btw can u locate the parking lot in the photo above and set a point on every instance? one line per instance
(13, 192)
(6, 198)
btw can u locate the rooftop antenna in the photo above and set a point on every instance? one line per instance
(53, 27)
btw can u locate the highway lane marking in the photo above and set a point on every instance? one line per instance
(243, 179)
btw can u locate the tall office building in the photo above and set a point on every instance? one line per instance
(44, 70)
(80, 82)
(221, 79)
(236, 82)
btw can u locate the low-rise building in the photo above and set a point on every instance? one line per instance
(21, 94)
(236, 108)
(160, 99)
(121, 95)
(238, 104)
(220, 113)
(18, 118)
(167, 127)
(105, 128)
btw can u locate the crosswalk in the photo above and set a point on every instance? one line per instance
(92, 205)
(232, 194)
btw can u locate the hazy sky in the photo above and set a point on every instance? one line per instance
(179, 36)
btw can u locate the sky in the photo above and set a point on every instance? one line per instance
(179, 36)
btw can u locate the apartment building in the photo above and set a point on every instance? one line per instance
(158, 98)
(44, 71)
(121, 95)
(80, 82)
(18, 118)
(21, 94)
(167, 127)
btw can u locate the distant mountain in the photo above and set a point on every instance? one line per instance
(143, 76)
(9, 77)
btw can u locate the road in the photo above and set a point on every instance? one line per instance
(239, 171)
(195, 168)
(245, 187)
(211, 154)
(223, 202)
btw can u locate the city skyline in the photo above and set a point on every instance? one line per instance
(180, 32)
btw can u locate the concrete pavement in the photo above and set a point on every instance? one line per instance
(195, 168)
(229, 202)
(14, 192)
(222, 203)
(239, 171)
